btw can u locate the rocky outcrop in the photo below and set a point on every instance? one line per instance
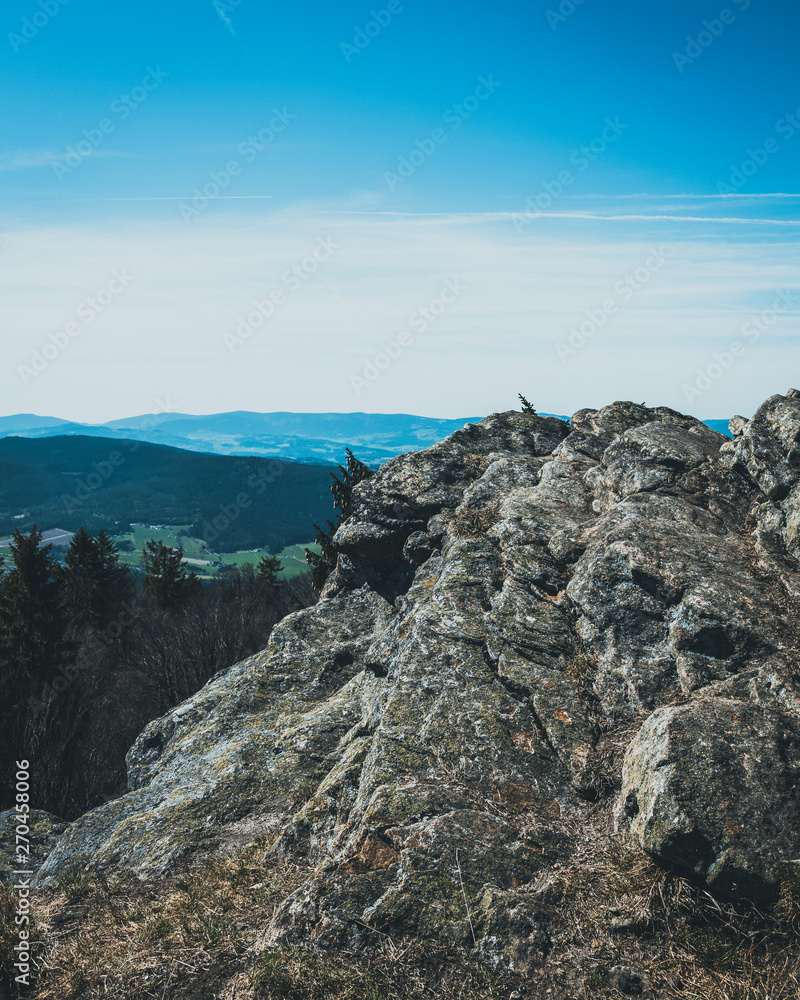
(441, 731)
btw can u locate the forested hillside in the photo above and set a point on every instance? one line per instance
(232, 503)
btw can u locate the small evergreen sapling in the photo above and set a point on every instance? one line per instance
(352, 473)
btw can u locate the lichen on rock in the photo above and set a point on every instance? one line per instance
(437, 735)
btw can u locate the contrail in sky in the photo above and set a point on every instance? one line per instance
(223, 16)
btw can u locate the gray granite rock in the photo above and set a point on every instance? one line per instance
(434, 728)
(714, 788)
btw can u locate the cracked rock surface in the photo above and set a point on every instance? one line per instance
(435, 734)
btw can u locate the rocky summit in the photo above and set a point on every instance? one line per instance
(538, 635)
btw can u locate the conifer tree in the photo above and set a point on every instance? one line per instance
(268, 569)
(352, 473)
(113, 580)
(33, 641)
(97, 585)
(33, 613)
(166, 579)
(80, 563)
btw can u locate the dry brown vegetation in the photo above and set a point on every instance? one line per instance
(472, 522)
(195, 935)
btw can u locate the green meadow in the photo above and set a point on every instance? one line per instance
(204, 563)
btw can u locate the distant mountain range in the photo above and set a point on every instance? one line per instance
(317, 438)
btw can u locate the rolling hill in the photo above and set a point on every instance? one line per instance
(232, 502)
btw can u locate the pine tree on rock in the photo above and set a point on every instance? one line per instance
(352, 474)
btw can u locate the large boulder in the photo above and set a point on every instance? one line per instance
(713, 787)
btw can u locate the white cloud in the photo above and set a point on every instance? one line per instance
(522, 294)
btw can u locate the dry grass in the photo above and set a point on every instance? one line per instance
(623, 909)
(476, 464)
(473, 522)
(100, 937)
(193, 937)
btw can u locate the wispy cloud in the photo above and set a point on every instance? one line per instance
(22, 159)
(183, 197)
(643, 217)
(688, 196)
(223, 16)
(473, 218)
(25, 159)
(521, 296)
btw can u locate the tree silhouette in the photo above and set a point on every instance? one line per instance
(352, 473)
(34, 640)
(268, 569)
(97, 585)
(166, 579)
(33, 614)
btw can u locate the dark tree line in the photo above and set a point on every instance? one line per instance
(89, 654)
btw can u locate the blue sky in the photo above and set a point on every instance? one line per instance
(425, 207)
